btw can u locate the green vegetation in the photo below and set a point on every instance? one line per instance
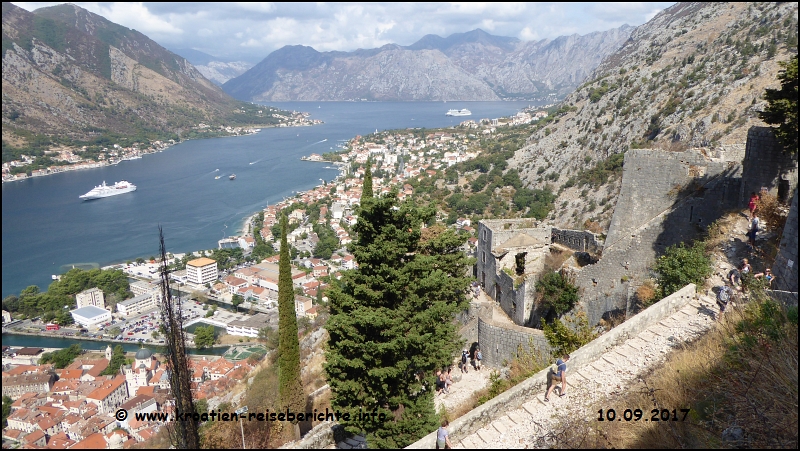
(269, 337)
(681, 265)
(291, 394)
(61, 358)
(366, 192)
(116, 362)
(566, 337)
(782, 106)
(557, 293)
(237, 300)
(227, 258)
(538, 202)
(599, 174)
(262, 249)
(31, 302)
(204, 336)
(392, 321)
(6, 409)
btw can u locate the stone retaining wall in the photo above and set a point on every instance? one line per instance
(500, 342)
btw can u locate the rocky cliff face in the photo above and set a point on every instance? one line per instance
(73, 74)
(693, 76)
(464, 66)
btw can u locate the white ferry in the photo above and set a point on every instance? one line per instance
(104, 190)
(461, 112)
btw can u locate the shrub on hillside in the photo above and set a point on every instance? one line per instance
(557, 293)
(565, 337)
(681, 265)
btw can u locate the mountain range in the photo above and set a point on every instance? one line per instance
(463, 66)
(71, 75)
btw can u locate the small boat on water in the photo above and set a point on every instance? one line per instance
(217, 177)
(232, 177)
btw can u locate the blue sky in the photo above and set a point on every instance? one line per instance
(250, 31)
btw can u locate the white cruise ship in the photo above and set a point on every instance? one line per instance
(461, 112)
(104, 190)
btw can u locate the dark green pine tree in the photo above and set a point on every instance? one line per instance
(366, 191)
(392, 321)
(290, 390)
(782, 106)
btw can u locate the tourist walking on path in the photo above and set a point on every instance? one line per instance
(478, 358)
(755, 226)
(464, 361)
(753, 204)
(559, 375)
(723, 298)
(443, 437)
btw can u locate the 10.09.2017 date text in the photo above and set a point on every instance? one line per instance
(637, 414)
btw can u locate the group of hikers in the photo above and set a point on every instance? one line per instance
(739, 278)
(443, 377)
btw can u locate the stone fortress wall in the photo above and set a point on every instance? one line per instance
(785, 266)
(666, 198)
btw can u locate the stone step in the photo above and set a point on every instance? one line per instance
(472, 441)
(614, 359)
(578, 377)
(532, 407)
(671, 322)
(602, 366)
(658, 329)
(516, 417)
(488, 434)
(647, 336)
(684, 314)
(627, 351)
(500, 426)
(637, 343)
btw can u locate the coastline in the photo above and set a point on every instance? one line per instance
(253, 129)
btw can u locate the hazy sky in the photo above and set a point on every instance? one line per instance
(250, 31)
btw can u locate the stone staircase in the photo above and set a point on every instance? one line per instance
(610, 375)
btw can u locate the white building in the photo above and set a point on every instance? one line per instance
(201, 271)
(141, 371)
(90, 316)
(248, 327)
(139, 304)
(92, 296)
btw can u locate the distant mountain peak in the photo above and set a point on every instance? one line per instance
(436, 42)
(474, 65)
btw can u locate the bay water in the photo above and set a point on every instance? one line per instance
(47, 229)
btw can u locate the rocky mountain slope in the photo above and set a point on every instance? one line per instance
(213, 68)
(694, 75)
(69, 74)
(463, 66)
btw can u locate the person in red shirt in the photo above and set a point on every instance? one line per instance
(753, 204)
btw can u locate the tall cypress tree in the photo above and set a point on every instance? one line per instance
(366, 192)
(290, 390)
(392, 321)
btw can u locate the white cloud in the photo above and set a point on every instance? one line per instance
(136, 16)
(252, 30)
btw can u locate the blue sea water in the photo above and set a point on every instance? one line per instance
(47, 229)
